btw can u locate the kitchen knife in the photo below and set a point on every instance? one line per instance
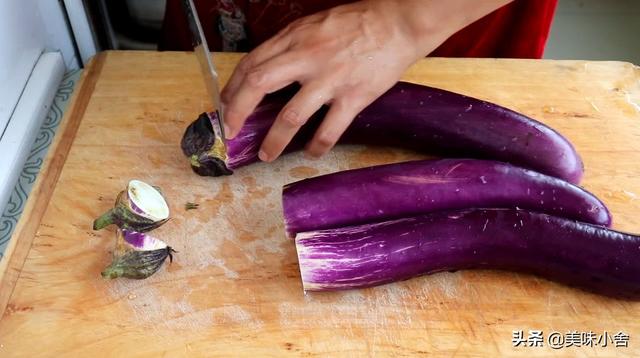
(209, 73)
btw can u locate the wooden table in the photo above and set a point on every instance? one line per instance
(234, 286)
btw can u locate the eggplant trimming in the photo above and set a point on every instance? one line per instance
(140, 207)
(412, 116)
(137, 255)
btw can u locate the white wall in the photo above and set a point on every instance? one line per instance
(27, 28)
(596, 30)
(81, 29)
(57, 36)
(21, 42)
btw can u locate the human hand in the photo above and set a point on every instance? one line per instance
(345, 57)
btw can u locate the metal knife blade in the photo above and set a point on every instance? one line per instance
(209, 73)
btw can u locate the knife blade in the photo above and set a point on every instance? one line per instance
(209, 73)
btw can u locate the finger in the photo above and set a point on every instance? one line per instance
(279, 43)
(266, 78)
(340, 115)
(294, 114)
(267, 50)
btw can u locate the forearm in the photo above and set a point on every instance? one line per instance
(430, 22)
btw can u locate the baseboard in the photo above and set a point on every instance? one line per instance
(27, 117)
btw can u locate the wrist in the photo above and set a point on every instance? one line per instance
(418, 22)
(428, 23)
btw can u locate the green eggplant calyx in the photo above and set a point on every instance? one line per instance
(112, 272)
(128, 220)
(195, 161)
(104, 220)
(138, 264)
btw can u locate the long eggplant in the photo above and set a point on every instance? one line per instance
(398, 190)
(411, 116)
(588, 256)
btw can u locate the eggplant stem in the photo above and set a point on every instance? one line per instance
(170, 252)
(104, 220)
(111, 272)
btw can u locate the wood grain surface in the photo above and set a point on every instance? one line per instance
(234, 286)
(25, 231)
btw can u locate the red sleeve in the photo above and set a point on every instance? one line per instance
(175, 34)
(517, 30)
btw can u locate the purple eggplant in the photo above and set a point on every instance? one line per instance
(391, 191)
(410, 116)
(584, 255)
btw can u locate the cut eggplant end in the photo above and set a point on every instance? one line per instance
(136, 264)
(205, 149)
(147, 201)
(198, 137)
(140, 207)
(137, 255)
(309, 284)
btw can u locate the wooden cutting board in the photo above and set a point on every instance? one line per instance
(234, 287)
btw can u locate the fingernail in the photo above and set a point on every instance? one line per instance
(263, 156)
